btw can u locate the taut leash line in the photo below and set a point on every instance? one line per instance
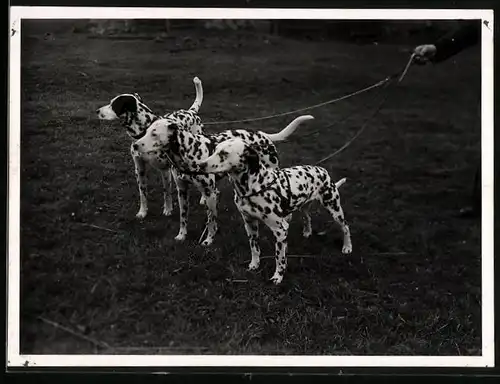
(363, 127)
(332, 101)
(375, 112)
(376, 85)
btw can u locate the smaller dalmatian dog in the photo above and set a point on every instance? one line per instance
(184, 149)
(272, 195)
(137, 118)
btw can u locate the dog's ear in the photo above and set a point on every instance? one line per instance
(124, 104)
(173, 128)
(173, 138)
(138, 97)
(252, 158)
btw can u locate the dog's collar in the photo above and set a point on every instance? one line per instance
(181, 169)
(263, 189)
(288, 198)
(266, 188)
(211, 149)
(143, 133)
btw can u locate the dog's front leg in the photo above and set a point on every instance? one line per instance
(140, 175)
(166, 176)
(211, 201)
(280, 232)
(203, 200)
(252, 229)
(183, 196)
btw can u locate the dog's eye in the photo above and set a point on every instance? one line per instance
(153, 134)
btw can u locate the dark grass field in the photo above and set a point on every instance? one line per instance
(412, 284)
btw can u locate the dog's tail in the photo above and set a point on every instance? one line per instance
(340, 182)
(289, 129)
(199, 95)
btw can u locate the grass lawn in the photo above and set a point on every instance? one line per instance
(412, 284)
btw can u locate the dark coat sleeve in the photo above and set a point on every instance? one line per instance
(457, 40)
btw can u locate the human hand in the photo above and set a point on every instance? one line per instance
(424, 53)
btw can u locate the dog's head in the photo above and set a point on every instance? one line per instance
(232, 155)
(120, 105)
(137, 115)
(160, 135)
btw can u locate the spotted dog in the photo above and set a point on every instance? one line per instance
(184, 149)
(272, 195)
(136, 118)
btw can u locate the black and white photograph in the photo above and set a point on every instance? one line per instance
(306, 187)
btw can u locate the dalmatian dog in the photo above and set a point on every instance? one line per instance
(272, 195)
(136, 118)
(184, 149)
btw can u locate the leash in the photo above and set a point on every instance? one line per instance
(332, 101)
(386, 84)
(359, 132)
(412, 57)
(339, 121)
(376, 85)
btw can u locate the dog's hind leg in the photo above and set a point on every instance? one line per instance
(330, 199)
(166, 176)
(140, 174)
(306, 216)
(211, 201)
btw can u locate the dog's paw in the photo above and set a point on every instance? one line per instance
(180, 237)
(276, 279)
(141, 214)
(307, 234)
(346, 249)
(203, 200)
(208, 241)
(167, 211)
(253, 266)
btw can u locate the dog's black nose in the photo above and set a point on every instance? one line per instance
(135, 146)
(97, 110)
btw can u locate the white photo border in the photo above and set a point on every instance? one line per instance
(15, 359)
